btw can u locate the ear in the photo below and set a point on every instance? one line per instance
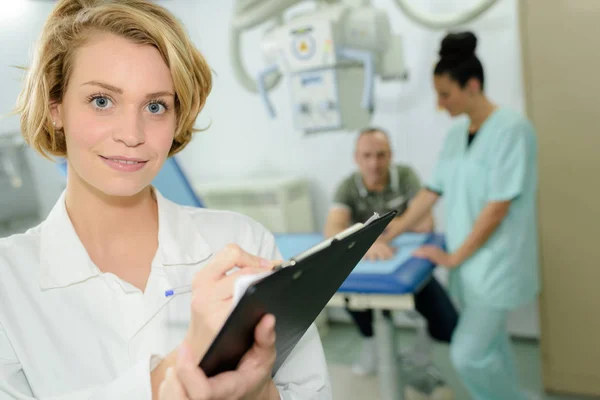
(473, 86)
(56, 114)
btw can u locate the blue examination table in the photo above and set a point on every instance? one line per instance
(379, 285)
(403, 274)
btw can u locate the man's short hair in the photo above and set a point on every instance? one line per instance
(372, 129)
(369, 131)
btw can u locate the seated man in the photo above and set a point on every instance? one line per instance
(378, 186)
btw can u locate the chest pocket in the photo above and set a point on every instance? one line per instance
(476, 178)
(179, 309)
(398, 203)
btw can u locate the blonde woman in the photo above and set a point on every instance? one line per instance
(115, 87)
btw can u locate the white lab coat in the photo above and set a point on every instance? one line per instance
(69, 331)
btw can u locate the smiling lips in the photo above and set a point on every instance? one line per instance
(124, 164)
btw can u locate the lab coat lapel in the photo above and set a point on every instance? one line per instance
(181, 253)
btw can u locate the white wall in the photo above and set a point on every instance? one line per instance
(19, 27)
(20, 24)
(243, 141)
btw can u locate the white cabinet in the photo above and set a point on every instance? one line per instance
(281, 204)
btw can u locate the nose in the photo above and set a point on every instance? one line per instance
(131, 130)
(374, 165)
(440, 103)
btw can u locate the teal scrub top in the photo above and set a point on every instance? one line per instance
(499, 165)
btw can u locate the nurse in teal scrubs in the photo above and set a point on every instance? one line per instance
(486, 175)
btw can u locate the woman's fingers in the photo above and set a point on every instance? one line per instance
(171, 388)
(264, 333)
(224, 286)
(192, 379)
(233, 256)
(260, 358)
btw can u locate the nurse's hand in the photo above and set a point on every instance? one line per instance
(380, 250)
(436, 256)
(212, 294)
(251, 380)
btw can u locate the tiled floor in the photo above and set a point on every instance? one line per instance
(342, 344)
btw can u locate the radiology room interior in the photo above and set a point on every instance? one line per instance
(264, 166)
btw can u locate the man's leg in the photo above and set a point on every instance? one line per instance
(438, 319)
(366, 362)
(363, 320)
(434, 304)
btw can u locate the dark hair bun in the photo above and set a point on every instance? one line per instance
(458, 46)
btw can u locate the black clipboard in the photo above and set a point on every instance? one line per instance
(295, 294)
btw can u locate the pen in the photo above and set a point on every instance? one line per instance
(179, 290)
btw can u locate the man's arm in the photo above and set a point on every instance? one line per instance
(486, 224)
(338, 219)
(410, 180)
(416, 212)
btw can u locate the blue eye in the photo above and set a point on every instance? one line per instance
(157, 108)
(101, 102)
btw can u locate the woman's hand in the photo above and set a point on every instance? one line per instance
(437, 256)
(251, 380)
(212, 295)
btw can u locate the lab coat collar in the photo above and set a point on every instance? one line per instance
(179, 241)
(65, 261)
(393, 176)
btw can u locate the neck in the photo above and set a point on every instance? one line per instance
(102, 221)
(481, 110)
(377, 185)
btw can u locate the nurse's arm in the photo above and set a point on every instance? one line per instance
(426, 225)
(418, 209)
(488, 221)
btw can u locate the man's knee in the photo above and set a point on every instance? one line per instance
(435, 305)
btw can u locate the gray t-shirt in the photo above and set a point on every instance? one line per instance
(352, 193)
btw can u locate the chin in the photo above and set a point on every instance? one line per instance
(122, 188)
(375, 178)
(456, 113)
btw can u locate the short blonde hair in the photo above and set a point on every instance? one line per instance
(69, 27)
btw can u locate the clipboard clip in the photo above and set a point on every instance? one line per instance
(373, 218)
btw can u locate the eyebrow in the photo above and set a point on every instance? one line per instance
(115, 89)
